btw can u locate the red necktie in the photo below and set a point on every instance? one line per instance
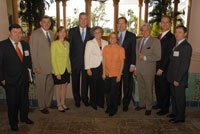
(142, 45)
(19, 53)
(160, 37)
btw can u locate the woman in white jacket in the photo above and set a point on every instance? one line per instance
(93, 65)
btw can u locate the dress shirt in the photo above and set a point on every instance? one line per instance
(81, 31)
(45, 33)
(146, 39)
(19, 45)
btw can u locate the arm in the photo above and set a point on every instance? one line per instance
(2, 79)
(122, 57)
(133, 53)
(104, 68)
(53, 58)
(87, 58)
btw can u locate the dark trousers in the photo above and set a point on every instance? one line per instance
(112, 88)
(127, 84)
(97, 87)
(17, 100)
(76, 85)
(178, 101)
(162, 89)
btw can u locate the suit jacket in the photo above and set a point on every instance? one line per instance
(60, 57)
(77, 46)
(93, 54)
(167, 44)
(179, 63)
(40, 51)
(129, 44)
(12, 69)
(152, 51)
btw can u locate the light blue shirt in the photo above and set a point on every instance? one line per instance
(123, 35)
(145, 40)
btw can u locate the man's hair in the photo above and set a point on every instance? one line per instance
(123, 19)
(182, 27)
(145, 24)
(17, 26)
(82, 13)
(166, 16)
(45, 17)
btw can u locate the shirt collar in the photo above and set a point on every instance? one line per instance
(180, 41)
(164, 33)
(44, 30)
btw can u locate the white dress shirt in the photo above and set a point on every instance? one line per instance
(93, 53)
(19, 45)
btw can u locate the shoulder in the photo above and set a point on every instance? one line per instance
(24, 43)
(73, 29)
(130, 33)
(187, 45)
(55, 42)
(37, 31)
(104, 42)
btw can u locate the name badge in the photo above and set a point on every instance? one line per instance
(26, 53)
(176, 54)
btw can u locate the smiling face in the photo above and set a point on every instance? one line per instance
(113, 38)
(121, 25)
(165, 24)
(146, 31)
(62, 34)
(83, 20)
(15, 34)
(98, 34)
(45, 23)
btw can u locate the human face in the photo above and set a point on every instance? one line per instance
(179, 34)
(113, 39)
(62, 34)
(16, 34)
(165, 24)
(121, 25)
(45, 23)
(98, 34)
(83, 21)
(146, 31)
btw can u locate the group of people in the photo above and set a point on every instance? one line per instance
(105, 67)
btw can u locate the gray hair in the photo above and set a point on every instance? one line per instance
(95, 28)
(145, 24)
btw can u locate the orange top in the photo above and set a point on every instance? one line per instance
(113, 57)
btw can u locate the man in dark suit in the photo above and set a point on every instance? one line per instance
(78, 36)
(128, 41)
(162, 86)
(178, 74)
(15, 68)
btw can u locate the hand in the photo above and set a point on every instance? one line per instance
(132, 69)
(103, 76)
(141, 56)
(89, 72)
(159, 72)
(118, 78)
(134, 73)
(3, 82)
(70, 72)
(58, 77)
(176, 84)
(37, 70)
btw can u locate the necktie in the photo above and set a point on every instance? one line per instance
(48, 38)
(160, 37)
(120, 39)
(142, 45)
(19, 53)
(83, 35)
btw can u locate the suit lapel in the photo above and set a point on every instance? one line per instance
(148, 43)
(125, 38)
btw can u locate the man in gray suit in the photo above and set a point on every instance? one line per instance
(40, 42)
(148, 51)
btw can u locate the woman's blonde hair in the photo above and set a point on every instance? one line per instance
(115, 35)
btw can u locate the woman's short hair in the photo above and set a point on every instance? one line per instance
(58, 30)
(95, 28)
(115, 35)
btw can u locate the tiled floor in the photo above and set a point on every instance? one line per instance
(85, 120)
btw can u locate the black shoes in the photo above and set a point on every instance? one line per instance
(27, 121)
(171, 116)
(139, 108)
(86, 103)
(176, 121)
(161, 112)
(94, 107)
(77, 104)
(125, 109)
(155, 107)
(14, 127)
(148, 112)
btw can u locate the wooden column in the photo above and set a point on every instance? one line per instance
(58, 12)
(88, 5)
(15, 11)
(64, 3)
(140, 16)
(175, 12)
(146, 11)
(116, 12)
(4, 20)
(189, 6)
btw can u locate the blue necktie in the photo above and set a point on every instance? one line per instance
(120, 39)
(83, 35)
(48, 38)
